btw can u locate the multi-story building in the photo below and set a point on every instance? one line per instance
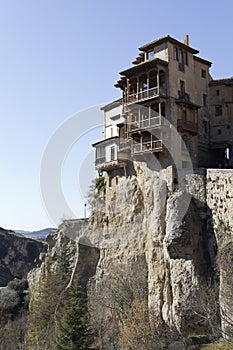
(221, 121)
(168, 84)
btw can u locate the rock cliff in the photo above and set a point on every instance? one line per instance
(141, 228)
(18, 255)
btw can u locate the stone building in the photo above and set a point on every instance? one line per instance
(168, 85)
(221, 121)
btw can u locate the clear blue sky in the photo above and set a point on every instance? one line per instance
(61, 57)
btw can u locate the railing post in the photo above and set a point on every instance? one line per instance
(149, 115)
(137, 87)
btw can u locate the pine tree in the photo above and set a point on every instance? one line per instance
(72, 332)
(46, 300)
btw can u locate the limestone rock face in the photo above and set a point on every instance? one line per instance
(18, 255)
(220, 201)
(158, 224)
(71, 236)
(147, 228)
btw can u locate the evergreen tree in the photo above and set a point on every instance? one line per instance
(72, 332)
(46, 300)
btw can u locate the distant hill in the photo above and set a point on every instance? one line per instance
(36, 234)
(18, 255)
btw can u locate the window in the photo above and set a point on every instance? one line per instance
(203, 73)
(182, 87)
(112, 153)
(175, 53)
(218, 110)
(217, 92)
(204, 100)
(180, 56)
(150, 55)
(185, 57)
(100, 152)
(219, 132)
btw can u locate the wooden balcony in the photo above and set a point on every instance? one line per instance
(124, 144)
(145, 124)
(185, 125)
(145, 95)
(147, 146)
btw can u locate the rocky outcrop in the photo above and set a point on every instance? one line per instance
(145, 218)
(18, 255)
(71, 235)
(148, 227)
(220, 202)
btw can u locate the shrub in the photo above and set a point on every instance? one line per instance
(19, 285)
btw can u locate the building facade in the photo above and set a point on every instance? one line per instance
(168, 86)
(221, 121)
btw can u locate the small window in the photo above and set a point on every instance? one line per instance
(203, 73)
(180, 56)
(182, 87)
(150, 55)
(219, 132)
(112, 153)
(175, 53)
(100, 152)
(218, 110)
(204, 99)
(185, 54)
(217, 92)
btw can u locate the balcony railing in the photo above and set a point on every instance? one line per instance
(145, 94)
(185, 125)
(145, 124)
(147, 146)
(124, 144)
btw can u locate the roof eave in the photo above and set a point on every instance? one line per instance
(142, 65)
(167, 38)
(202, 60)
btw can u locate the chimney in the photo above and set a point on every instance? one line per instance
(186, 39)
